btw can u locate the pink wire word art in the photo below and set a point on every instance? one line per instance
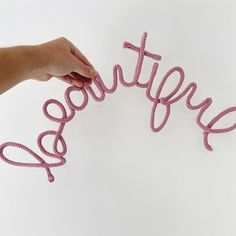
(157, 100)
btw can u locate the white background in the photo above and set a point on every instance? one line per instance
(120, 178)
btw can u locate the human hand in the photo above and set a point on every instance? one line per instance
(61, 59)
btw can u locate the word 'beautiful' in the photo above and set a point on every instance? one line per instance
(167, 101)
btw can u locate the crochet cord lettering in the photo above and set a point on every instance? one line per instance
(157, 100)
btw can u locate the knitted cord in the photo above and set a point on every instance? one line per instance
(156, 100)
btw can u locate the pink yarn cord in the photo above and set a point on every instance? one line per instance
(156, 100)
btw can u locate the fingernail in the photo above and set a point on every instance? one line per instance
(78, 83)
(94, 73)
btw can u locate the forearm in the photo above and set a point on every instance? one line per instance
(18, 64)
(57, 58)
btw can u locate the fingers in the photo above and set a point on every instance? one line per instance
(78, 54)
(83, 69)
(71, 80)
(80, 77)
(75, 79)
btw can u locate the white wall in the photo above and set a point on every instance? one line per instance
(120, 178)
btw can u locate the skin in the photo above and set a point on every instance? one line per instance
(57, 58)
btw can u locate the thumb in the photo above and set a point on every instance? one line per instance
(84, 70)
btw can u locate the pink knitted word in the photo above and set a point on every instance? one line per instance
(158, 100)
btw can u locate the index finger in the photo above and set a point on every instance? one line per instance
(77, 53)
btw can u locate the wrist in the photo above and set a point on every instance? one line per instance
(34, 60)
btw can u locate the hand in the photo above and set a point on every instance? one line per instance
(61, 59)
